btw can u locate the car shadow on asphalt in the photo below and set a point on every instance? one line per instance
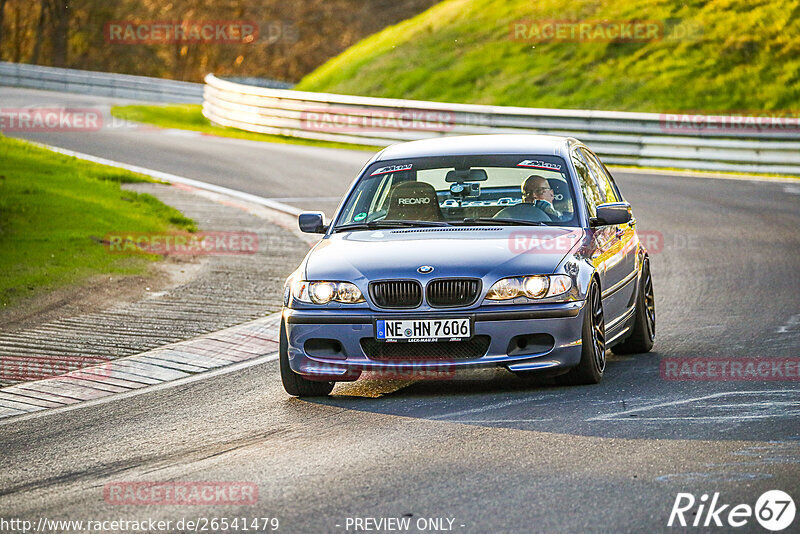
(633, 401)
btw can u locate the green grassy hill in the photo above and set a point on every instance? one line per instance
(740, 55)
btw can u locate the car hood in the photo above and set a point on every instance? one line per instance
(485, 252)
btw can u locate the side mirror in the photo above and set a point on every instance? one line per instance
(612, 213)
(312, 222)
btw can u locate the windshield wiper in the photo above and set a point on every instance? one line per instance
(373, 225)
(507, 222)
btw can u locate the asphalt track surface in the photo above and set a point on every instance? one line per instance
(490, 451)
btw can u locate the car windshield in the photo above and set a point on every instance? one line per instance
(504, 190)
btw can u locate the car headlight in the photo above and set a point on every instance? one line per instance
(325, 292)
(532, 287)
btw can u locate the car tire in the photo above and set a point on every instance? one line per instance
(644, 327)
(593, 347)
(293, 383)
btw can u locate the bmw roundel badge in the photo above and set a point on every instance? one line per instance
(425, 269)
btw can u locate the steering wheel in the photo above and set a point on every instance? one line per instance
(523, 211)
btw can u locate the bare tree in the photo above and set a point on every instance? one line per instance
(40, 27)
(295, 35)
(2, 13)
(60, 32)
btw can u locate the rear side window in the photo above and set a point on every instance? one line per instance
(591, 193)
(601, 177)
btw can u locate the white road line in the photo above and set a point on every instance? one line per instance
(711, 418)
(760, 404)
(714, 477)
(467, 421)
(484, 408)
(178, 132)
(792, 323)
(759, 463)
(172, 178)
(616, 416)
(305, 199)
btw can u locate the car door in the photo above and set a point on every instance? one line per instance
(601, 251)
(619, 293)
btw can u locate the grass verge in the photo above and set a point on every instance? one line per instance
(55, 211)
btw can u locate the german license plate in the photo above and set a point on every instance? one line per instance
(423, 329)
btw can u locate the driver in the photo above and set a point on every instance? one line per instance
(537, 191)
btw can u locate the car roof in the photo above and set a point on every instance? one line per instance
(480, 145)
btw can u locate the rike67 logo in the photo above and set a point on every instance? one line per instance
(774, 510)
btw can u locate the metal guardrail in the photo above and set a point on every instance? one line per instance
(714, 143)
(260, 82)
(100, 83)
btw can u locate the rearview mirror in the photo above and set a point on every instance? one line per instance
(466, 175)
(612, 213)
(312, 222)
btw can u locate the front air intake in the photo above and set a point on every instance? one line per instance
(470, 349)
(453, 292)
(396, 293)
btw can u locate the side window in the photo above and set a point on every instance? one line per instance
(366, 197)
(614, 185)
(587, 184)
(604, 181)
(382, 194)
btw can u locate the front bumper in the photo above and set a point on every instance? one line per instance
(501, 324)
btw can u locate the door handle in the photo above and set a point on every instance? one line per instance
(620, 232)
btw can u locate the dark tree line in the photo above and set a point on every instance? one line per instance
(295, 36)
